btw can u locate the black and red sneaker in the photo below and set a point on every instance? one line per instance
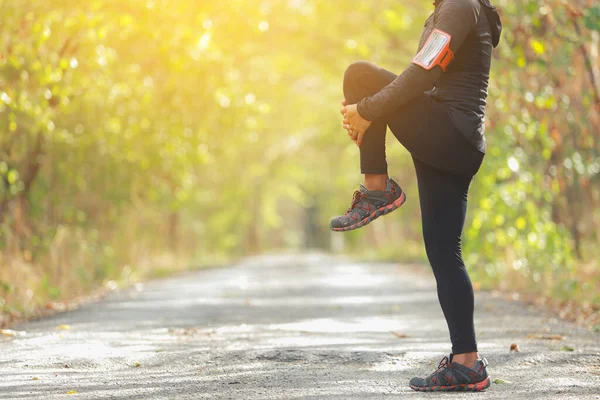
(368, 205)
(451, 376)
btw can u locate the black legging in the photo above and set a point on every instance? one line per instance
(445, 163)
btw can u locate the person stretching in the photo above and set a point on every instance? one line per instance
(436, 109)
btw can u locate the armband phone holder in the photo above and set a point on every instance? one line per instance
(435, 51)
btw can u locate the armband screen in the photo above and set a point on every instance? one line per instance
(436, 51)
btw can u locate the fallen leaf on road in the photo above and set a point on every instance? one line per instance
(137, 364)
(544, 336)
(399, 335)
(63, 327)
(515, 347)
(35, 378)
(11, 333)
(567, 348)
(72, 392)
(190, 331)
(499, 381)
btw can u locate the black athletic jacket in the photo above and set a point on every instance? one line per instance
(475, 28)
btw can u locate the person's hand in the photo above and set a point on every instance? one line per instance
(353, 122)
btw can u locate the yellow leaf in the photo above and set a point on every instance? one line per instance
(11, 333)
(72, 392)
(137, 364)
(63, 327)
(35, 378)
(537, 46)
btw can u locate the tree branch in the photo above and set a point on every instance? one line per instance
(592, 71)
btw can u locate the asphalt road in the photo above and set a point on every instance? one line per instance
(288, 327)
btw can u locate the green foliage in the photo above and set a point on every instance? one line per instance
(592, 18)
(536, 198)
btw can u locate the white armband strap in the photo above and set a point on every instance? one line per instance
(435, 51)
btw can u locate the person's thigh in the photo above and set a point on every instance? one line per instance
(426, 130)
(423, 126)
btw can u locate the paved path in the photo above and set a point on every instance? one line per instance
(287, 327)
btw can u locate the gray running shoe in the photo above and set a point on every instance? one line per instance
(451, 376)
(368, 205)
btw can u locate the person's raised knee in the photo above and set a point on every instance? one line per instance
(354, 84)
(357, 68)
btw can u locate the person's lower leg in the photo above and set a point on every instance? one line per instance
(376, 181)
(466, 359)
(443, 200)
(456, 297)
(373, 164)
(362, 80)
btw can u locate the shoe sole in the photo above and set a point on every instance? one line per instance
(375, 214)
(462, 387)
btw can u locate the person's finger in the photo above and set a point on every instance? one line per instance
(359, 138)
(354, 134)
(344, 103)
(346, 126)
(343, 110)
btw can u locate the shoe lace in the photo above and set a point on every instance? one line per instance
(356, 198)
(443, 364)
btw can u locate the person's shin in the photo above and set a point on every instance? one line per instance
(376, 181)
(466, 359)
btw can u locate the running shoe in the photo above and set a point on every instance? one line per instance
(451, 376)
(368, 205)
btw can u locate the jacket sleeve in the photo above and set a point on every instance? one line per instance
(456, 17)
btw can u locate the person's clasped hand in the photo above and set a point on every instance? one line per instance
(353, 122)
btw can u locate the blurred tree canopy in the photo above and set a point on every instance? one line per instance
(133, 129)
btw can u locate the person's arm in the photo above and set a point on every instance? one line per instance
(456, 18)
